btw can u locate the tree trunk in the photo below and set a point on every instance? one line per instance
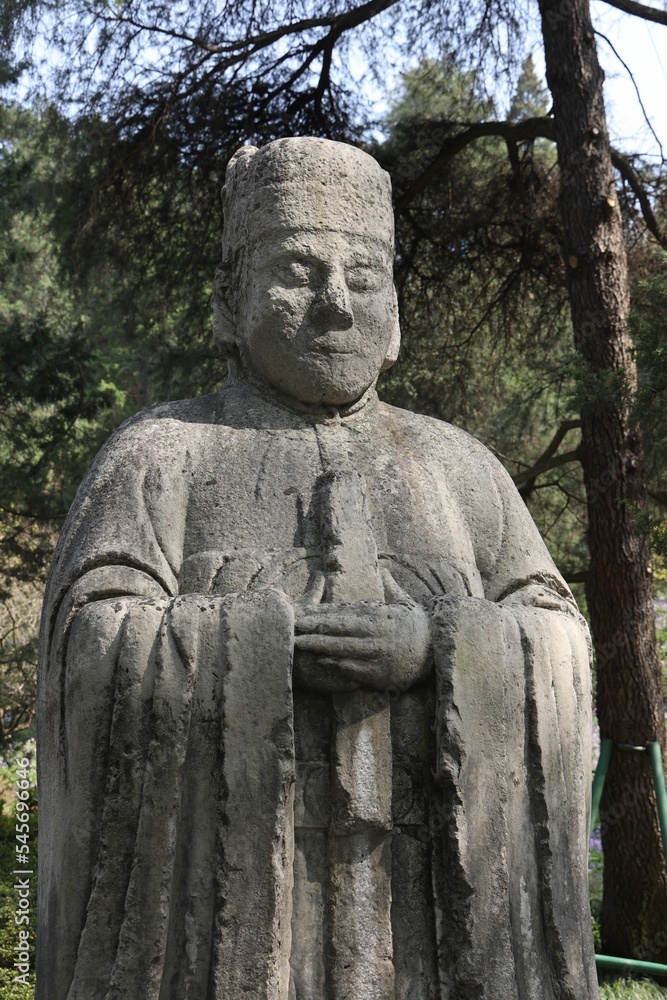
(620, 587)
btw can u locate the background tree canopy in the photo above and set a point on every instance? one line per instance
(117, 121)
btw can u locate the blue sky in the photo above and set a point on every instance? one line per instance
(643, 46)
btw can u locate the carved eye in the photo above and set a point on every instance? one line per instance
(365, 278)
(295, 273)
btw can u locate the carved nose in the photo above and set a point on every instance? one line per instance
(331, 308)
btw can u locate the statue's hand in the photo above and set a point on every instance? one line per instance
(340, 647)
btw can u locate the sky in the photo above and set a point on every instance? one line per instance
(643, 46)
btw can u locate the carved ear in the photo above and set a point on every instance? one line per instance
(224, 326)
(395, 342)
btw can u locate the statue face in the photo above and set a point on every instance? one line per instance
(317, 315)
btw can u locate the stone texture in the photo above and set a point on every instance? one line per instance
(314, 700)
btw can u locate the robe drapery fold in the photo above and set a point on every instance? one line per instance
(175, 761)
(513, 718)
(195, 777)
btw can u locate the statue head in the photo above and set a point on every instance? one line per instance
(304, 296)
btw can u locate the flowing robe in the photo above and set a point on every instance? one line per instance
(186, 789)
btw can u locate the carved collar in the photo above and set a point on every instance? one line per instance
(247, 392)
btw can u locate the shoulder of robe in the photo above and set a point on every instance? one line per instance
(164, 428)
(467, 463)
(509, 551)
(162, 436)
(147, 451)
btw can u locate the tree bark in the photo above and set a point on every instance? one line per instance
(619, 586)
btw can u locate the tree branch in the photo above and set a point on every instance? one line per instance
(529, 485)
(629, 174)
(548, 459)
(252, 42)
(660, 496)
(339, 23)
(531, 128)
(513, 132)
(640, 10)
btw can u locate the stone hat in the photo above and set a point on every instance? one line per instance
(295, 184)
(305, 183)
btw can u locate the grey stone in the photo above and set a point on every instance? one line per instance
(314, 701)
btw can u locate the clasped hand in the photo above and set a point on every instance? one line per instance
(372, 644)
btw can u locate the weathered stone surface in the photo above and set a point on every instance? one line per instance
(511, 765)
(198, 714)
(314, 700)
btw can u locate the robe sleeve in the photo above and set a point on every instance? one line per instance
(161, 768)
(513, 731)
(517, 567)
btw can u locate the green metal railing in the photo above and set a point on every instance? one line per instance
(658, 773)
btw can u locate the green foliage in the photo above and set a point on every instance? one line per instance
(59, 395)
(631, 989)
(595, 870)
(19, 621)
(437, 90)
(649, 328)
(591, 389)
(93, 325)
(653, 526)
(57, 389)
(23, 748)
(660, 579)
(531, 97)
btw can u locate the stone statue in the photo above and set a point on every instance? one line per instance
(314, 710)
